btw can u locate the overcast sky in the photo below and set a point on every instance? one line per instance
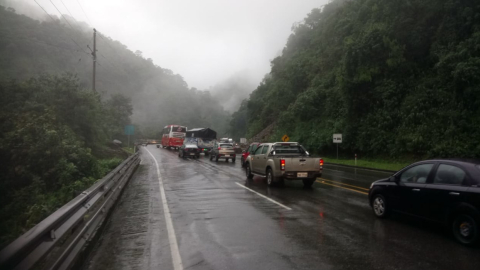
(205, 41)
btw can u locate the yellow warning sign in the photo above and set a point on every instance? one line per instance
(285, 138)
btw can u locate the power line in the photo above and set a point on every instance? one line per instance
(44, 10)
(61, 14)
(69, 25)
(84, 13)
(67, 9)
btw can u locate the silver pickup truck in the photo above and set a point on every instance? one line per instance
(281, 160)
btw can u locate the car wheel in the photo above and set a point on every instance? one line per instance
(308, 182)
(198, 156)
(216, 158)
(270, 180)
(211, 157)
(248, 172)
(466, 229)
(233, 160)
(380, 206)
(226, 160)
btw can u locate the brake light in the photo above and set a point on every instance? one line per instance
(219, 148)
(282, 164)
(321, 162)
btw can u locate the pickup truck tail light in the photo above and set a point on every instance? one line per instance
(321, 162)
(282, 164)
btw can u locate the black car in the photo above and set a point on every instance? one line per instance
(189, 150)
(445, 191)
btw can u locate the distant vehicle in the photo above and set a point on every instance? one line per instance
(223, 150)
(246, 153)
(226, 140)
(204, 138)
(283, 161)
(445, 191)
(188, 150)
(173, 136)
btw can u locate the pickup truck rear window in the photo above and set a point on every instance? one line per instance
(288, 149)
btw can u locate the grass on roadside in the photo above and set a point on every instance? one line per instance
(374, 164)
(128, 149)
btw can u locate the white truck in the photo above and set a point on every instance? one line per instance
(283, 161)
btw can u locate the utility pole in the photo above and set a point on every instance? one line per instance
(94, 53)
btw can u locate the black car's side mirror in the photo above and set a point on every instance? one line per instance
(393, 179)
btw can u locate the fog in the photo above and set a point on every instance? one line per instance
(207, 42)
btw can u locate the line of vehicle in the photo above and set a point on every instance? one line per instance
(176, 259)
(343, 184)
(263, 196)
(323, 182)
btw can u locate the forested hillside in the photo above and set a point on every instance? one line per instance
(159, 97)
(396, 78)
(56, 132)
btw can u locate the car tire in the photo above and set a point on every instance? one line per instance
(197, 156)
(308, 182)
(466, 228)
(248, 172)
(211, 157)
(216, 158)
(380, 206)
(233, 160)
(269, 178)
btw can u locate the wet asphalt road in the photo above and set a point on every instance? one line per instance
(218, 224)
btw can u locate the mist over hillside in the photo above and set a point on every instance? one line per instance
(159, 97)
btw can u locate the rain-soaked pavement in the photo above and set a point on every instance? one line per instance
(215, 223)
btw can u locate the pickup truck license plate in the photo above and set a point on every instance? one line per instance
(302, 174)
(227, 155)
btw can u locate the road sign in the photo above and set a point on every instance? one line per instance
(129, 130)
(337, 138)
(285, 138)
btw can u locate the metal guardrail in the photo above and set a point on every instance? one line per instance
(59, 240)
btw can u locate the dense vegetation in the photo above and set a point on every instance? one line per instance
(52, 146)
(397, 78)
(159, 97)
(56, 131)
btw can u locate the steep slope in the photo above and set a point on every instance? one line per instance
(397, 78)
(159, 97)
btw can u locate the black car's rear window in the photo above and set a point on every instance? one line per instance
(225, 145)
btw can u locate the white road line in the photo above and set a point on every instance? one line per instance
(263, 196)
(176, 259)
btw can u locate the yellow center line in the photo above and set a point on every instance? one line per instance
(340, 183)
(323, 182)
